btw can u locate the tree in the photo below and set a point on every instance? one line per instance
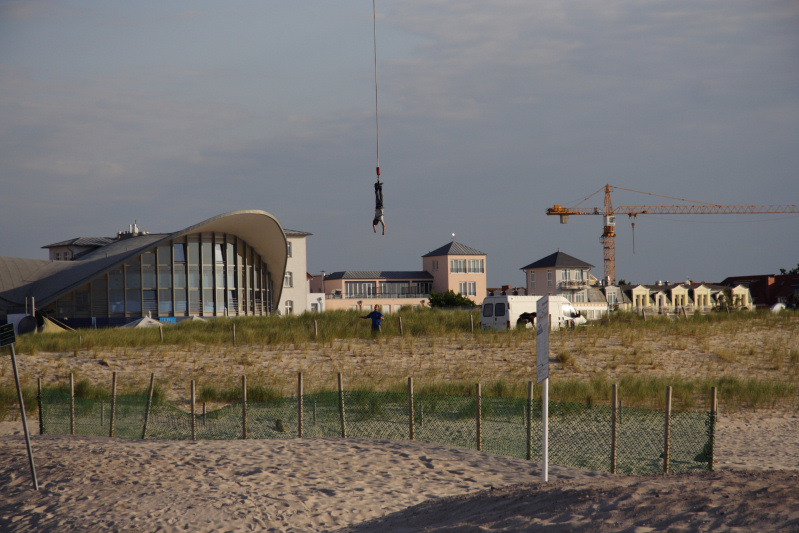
(792, 271)
(449, 299)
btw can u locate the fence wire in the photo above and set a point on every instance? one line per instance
(579, 435)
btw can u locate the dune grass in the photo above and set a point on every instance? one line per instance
(423, 330)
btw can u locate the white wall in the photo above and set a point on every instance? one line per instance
(297, 264)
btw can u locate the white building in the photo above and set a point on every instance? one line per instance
(297, 297)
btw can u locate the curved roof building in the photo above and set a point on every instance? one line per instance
(231, 264)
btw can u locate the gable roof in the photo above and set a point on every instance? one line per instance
(380, 274)
(558, 259)
(453, 248)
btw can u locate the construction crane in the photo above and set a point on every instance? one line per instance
(609, 213)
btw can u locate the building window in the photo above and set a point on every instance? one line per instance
(289, 308)
(435, 265)
(58, 256)
(549, 278)
(288, 248)
(472, 289)
(462, 288)
(457, 266)
(532, 279)
(289, 281)
(476, 266)
(360, 289)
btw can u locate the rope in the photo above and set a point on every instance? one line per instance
(377, 115)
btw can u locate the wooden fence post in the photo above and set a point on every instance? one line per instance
(71, 404)
(479, 421)
(39, 401)
(471, 321)
(234, 333)
(614, 428)
(161, 332)
(713, 415)
(529, 420)
(410, 409)
(400, 326)
(666, 431)
(315, 329)
(341, 408)
(193, 417)
(244, 407)
(299, 400)
(149, 405)
(112, 418)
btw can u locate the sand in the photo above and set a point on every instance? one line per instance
(101, 484)
(93, 484)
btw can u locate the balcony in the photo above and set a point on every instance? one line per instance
(376, 295)
(572, 285)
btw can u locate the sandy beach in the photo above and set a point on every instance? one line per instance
(92, 484)
(102, 484)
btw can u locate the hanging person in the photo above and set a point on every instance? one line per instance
(378, 205)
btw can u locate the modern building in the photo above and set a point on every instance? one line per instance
(229, 265)
(453, 266)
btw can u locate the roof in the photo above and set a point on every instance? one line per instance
(295, 233)
(82, 241)
(558, 259)
(453, 248)
(380, 274)
(46, 281)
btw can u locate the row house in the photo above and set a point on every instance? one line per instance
(666, 298)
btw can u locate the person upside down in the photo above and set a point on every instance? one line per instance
(378, 208)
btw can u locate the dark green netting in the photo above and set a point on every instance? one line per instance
(579, 435)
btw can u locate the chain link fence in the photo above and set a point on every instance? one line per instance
(581, 436)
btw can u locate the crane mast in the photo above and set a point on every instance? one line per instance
(608, 212)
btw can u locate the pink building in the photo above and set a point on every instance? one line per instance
(451, 267)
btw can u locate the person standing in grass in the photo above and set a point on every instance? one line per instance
(377, 319)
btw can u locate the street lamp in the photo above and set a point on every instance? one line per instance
(323, 283)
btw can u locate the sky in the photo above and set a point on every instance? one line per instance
(170, 113)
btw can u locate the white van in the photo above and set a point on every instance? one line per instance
(564, 314)
(508, 312)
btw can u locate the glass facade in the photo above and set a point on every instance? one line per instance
(208, 274)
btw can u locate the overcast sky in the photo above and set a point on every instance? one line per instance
(172, 112)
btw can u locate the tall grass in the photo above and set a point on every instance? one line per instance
(424, 329)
